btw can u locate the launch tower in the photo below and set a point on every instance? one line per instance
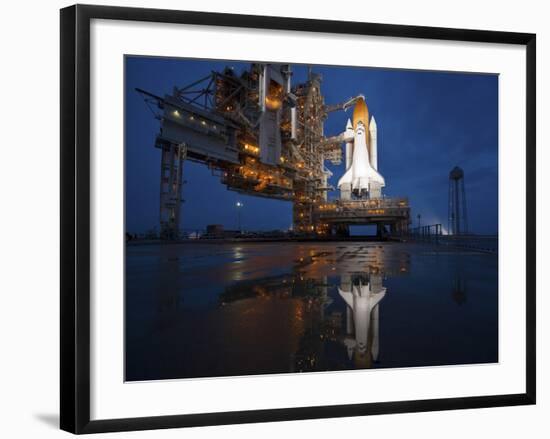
(264, 136)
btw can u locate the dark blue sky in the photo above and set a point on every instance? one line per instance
(428, 122)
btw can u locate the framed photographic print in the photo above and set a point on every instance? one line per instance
(302, 218)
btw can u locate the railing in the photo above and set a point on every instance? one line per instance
(433, 234)
(375, 203)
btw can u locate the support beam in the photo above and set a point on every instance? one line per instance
(171, 181)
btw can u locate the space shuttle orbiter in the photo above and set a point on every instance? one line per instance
(362, 176)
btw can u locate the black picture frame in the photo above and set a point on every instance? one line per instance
(75, 217)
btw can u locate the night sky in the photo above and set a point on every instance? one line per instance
(428, 122)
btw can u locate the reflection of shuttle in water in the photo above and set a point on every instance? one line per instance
(362, 296)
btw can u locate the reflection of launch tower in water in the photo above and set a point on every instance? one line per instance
(362, 294)
(335, 294)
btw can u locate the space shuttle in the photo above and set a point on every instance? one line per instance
(362, 302)
(361, 177)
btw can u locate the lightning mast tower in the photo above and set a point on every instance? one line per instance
(458, 219)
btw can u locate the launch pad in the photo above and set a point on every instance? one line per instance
(390, 215)
(264, 136)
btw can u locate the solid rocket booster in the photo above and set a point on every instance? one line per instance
(361, 174)
(349, 144)
(373, 147)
